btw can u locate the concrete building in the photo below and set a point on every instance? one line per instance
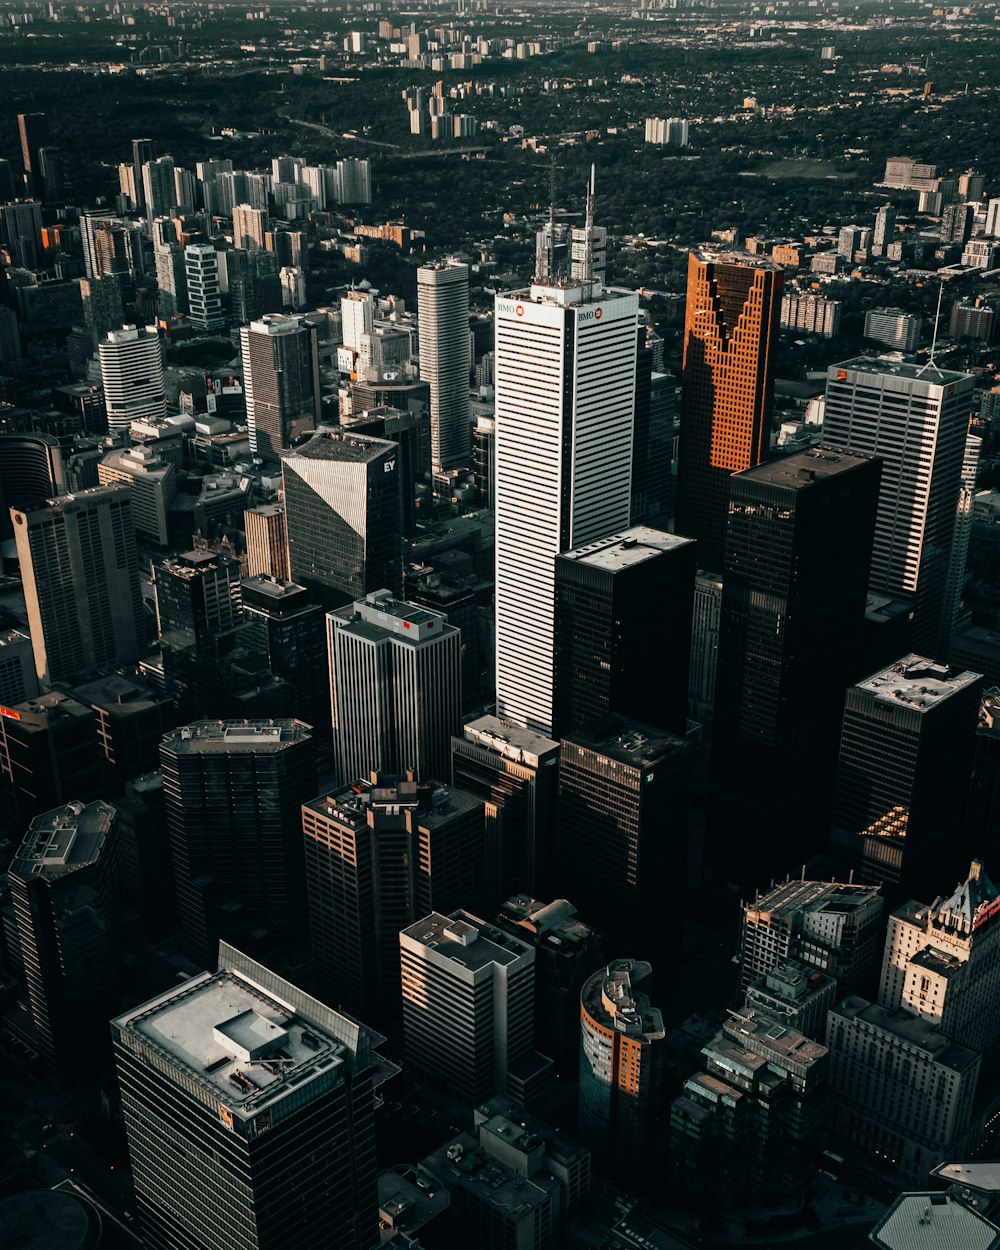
(18, 679)
(916, 422)
(152, 483)
(65, 881)
(810, 313)
(516, 773)
(80, 572)
(935, 1220)
(395, 692)
(895, 328)
(795, 995)
(250, 227)
(468, 1007)
(272, 1128)
(621, 1060)
(234, 792)
(836, 929)
(445, 364)
(204, 292)
(343, 513)
(132, 377)
(379, 855)
(565, 399)
(267, 542)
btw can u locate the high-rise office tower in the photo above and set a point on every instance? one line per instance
(6, 181)
(357, 317)
(254, 285)
(993, 219)
(379, 855)
(171, 279)
(199, 614)
(906, 752)
(795, 995)
(706, 617)
(763, 1082)
(730, 329)
(443, 318)
(234, 792)
(131, 716)
(566, 952)
(395, 692)
(941, 962)
(65, 883)
(142, 154)
(159, 187)
(516, 772)
(33, 129)
(468, 1004)
(51, 168)
(795, 586)
(353, 181)
(249, 227)
(10, 337)
(204, 293)
(153, 485)
(622, 1053)
(281, 379)
(623, 824)
(834, 928)
(885, 229)
(31, 469)
(290, 632)
(110, 246)
(613, 598)
(132, 377)
(49, 754)
(916, 421)
(22, 229)
(267, 543)
(18, 680)
(102, 306)
(80, 573)
(342, 516)
(565, 395)
(410, 431)
(270, 1136)
(956, 223)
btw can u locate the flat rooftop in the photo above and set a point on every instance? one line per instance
(521, 745)
(746, 260)
(244, 1048)
(831, 896)
(612, 997)
(64, 840)
(466, 940)
(629, 742)
(570, 293)
(801, 470)
(214, 736)
(341, 446)
(915, 1030)
(761, 1030)
(379, 614)
(918, 682)
(633, 546)
(433, 805)
(934, 1221)
(882, 366)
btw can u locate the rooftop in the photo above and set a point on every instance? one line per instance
(353, 805)
(466, 940)
(613, 999)
(918, 682)
(913, 1030)
(629, 742)
(934, 1221)
(340, 446)
(521, 745)
(760, 1033)
(64, 840)
(632, 546)
(882, 367)
(801, 470)
(379, 614)
(220, 736)
(813, 896)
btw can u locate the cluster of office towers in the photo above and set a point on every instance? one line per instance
(578, 788)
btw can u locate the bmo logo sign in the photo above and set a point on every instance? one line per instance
(593, 314)
(519, 311)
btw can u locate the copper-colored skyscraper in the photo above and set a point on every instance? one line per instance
(733, 303)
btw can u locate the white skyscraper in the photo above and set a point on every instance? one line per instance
(993, 219)
(443, 320)
(357, 317)
(201, 266)
(249, 227)
(565, 376)
(132, 377)
(915, 419)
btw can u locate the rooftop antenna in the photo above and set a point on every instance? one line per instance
(588, 229)
(937, 317)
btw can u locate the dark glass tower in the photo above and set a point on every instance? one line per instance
(34, 133)
(618, 601)
(343, 513)
(906, 756)
(288, 628)
(790, 642)
(731, 326)
(249, 1109)
(234, 791)
(281, 373)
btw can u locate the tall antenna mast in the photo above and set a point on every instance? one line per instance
(937, 317)
(588, 228)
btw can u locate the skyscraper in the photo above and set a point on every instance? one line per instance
(288, 629)
(49, 754)
(22, 228)
(622, 1053)
(142, 154)
(443, 318)
(730, 329)
(468, 1004)
(281, 379)
(249, 227)
(343, 516)
(132, 377)
(267, 543)
(159, 187)
(395, 688)
(906, 752)
(516, 772)
(65, 881)
(234, 792)
(916, 421)
(623, 824)
(33, 129)
(885, 229)
(80, 573)
(565, 395)
(795, 588)
(204, 293)
(270, 1139)
(379, 855)
(618, 599)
